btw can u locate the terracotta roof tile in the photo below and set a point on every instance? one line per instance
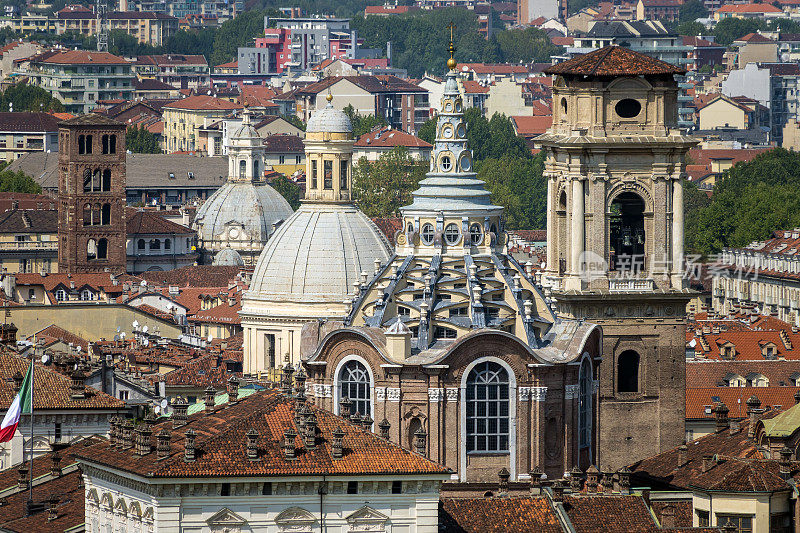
(700, 400)
(614, 514)
(203, 102)
(208, 370)
(147, 222)
(614, 61)
(220, 314)
(221, 446)
(749, 8)
(194, 276)
(51, 390)
(498, 515)
(60, 334)
(389, 138)
(83, 57)
(531, 126)
(711, 373)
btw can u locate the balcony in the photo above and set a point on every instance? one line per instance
(631, 285)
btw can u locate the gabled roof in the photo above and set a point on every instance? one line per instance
(749, 8)
(83, 57)
(28, 121)
(371, 84)
(783, 425)
(613, 61)
(751, 38)
(29, 221)
(145, 222)
(389, 138)
(283, 143)
(528, 126)
(220, 446)
(194, 276)
(203, 102)
(499, 515)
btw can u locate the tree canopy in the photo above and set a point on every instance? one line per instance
(288, 189)
(140, 141)
(24, 97)
(692, 28)
(362, 123)
(382, 187)
(728, 30)
(18, 182)
(750, 201)
(517, 184)
(692, 10)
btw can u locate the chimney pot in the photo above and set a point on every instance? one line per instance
(504, 476)
(189, 452)
(233, 390)
(289, 451)
(592, 479)
(210, 394)
(180, 412)
(337, 449)
(721, 416)
(127, 434)
(252, 444)
(558, 491)
(22, 478)
(344, 407)
(624, 480)
(163, 447)
(682, 452)
(536, 481)
(754, 412)
(286, 380)
(576, 479)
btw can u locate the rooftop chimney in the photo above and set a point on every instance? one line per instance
(785, 464)
(536, 481)
(127, 434)
(180, 412)
(344, 407)
(210, 394)
(286, 381)
(55, 467)
(337, 449)
(189, 452)
(682, 451)
(252, 444)
(143, 433)
(289, 452)
(17, 377)
(22, 476)
(575, 479)
(558, 491)
(233, 390)
(708, 462)
(163, 447)
(310, 436)
(367, 422)
(383, 427)
(624, 480)
(592, 479)
(721, 416)
(504, 475)
(754, 412)
(607, 482)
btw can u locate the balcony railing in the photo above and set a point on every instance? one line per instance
(630, 285)
(29, 245)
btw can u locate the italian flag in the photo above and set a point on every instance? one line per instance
(20, 405)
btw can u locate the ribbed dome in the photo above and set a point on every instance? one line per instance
(317, 254)
(228, 257)
(248, 207)
(329, 120)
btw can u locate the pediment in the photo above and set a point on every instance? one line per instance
(295, 516)
(226, 517)
(367, 514)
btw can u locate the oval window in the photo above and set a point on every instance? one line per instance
(445, 163)
(466, 164)
(458, 107)
(462, 131)
(628, 108)
(448, 106)
(427, 234)
(447, 131)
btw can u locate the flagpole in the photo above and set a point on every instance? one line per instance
(30, 465)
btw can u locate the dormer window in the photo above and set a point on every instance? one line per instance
(61, 295)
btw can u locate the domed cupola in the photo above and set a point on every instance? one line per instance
(312, 267)
(245, 211)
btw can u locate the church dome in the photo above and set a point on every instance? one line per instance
(241, 211)
(329, 120)
(228, 257)
(317, 254)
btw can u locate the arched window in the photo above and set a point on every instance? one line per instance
(112, 144)
(87, 180)
(141, 244)
(106, 180)
(91, 250)
(585, 382)
(105, 144)
(242, 169)
(627, 236)
(102, 249)
(255, 169)
(476, 233)
(155, 244)
(354, 383)
(96, 180)
(167, 244)
(414, 425)
(87, 295)
(96, 215)
(105, 214)
(344, 164)
(61, 295)
(81, 144)
(87, 214)
(628, 372)
(488, 408)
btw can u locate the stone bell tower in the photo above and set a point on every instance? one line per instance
(615, 164)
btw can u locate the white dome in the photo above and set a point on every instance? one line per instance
(244, 206)
(329, 120)
(317, 254)
(228, 257)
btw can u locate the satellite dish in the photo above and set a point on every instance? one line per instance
(164, 403)
(144, 329)
(122, 335)
(45, 359)
(210, 338)
(135, 324)
(78, 349)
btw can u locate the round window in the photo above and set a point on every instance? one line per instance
(445, 163)
(628, 108)
(458, 107)
(466, 163)
(462, 131)
(476, 233)
(234, 233)
(447, 131)
(451, 234)
(448, 106)
(427, 234)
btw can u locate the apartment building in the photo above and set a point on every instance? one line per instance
(184, 119)
(79, 78)
(25, 132)
(183, 71)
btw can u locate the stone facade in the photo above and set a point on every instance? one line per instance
(615, 164)
(91, 199)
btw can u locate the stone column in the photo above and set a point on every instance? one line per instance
(677, 233)
(578, 223)
(552, 231)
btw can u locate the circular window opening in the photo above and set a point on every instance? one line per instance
(445, 163)
(458, 107)
(427, 234)
(628, 108)
(462, 131)
(447, 132)
(448, 106)
(466, 164)
(451, 234)
(476, 234)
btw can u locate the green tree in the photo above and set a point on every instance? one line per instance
(728, 30)
(381, 187)
(140, 141)
(750, 201)
(295, 121)
(24, 97)
(517, 184)
(363, 123)
(427, 132)
(530, 44)
(18, 182)
(784, 25)
(692, 10)
(288, 189)
(238, 32)
(691, 27)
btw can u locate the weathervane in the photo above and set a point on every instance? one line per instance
(451, 63)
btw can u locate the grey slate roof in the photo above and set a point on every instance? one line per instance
(29, 221)
(144, 171)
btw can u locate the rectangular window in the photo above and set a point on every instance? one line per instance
(57, 431)
(743, 523)
(314, 174)
(328, 174)
(397, 487)
(352, 487)
(297, 159)
(225, 489)
(343, 166)
(266, 490)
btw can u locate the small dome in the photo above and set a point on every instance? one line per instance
(228, 257)
(329, 120)
(241, 211)
(330, 247)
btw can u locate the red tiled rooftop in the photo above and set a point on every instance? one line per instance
(735, 398)
(388, 138)
(498, 515)
(749, 8)
(203, 102)
(614, 61)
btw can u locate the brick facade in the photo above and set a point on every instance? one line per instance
(91, 198)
